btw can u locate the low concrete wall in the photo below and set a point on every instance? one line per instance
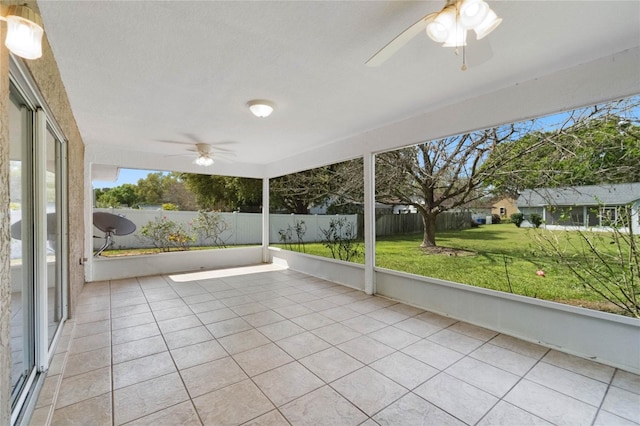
(338, 271)
(607, 338)
(167, 263)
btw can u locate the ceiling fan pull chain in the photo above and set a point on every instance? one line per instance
(464, 58)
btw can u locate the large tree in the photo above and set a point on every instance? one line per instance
(224, 193)
(442, 174)
(588, 146)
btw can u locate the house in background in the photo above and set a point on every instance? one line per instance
(504, 207)
(595, 206)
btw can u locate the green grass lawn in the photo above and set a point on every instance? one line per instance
(496, 250)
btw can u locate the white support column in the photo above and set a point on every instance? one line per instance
(585, 217)
(369, 223)
(265, 220)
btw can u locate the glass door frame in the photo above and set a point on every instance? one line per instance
(40, 121)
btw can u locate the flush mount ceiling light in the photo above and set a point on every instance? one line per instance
(24, 31)
(261, 108)
(449, 27)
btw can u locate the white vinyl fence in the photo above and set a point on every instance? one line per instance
(244, 228)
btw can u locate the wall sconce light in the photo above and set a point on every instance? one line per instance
(24, 31)
(261, 108)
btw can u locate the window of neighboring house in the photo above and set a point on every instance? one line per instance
(608, 216)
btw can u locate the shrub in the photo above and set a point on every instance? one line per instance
(169, 207)
(517, 218)
(340, 239)
(166, 235)
(286, 235)
(495, 218)
(535, 219)
(211, 226)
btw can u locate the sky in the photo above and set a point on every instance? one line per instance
(125, 176)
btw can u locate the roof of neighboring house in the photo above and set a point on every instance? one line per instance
(593, 195)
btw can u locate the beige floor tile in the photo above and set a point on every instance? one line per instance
(388, 316)
(484, 376)
(456, 397)
(605, 418)
(142, 369)
(94, 411)
(627, 381)
(165, 314)
(183, 414)
(369, 390)
(189, 356)
(209, 305)
(237, 300)
(504, 358)
(520, 346)
(187, 337)
(144, 398)
(312, 321)
(212, 376)
(92, 316)
(261, 359)
(90, 328)
(323, 406)
(473, 331)
(138, 349)
(48, 390)
(130, 310)
(412, 410)
(134, 333)
(84, 386)
(128, 301)
(132, 320)
(336, 333)
(227, 327)
(363, 306)
(209, 317)
(198, 298)
(272, 418)
(436, 319)
(364, 324)
(580, 387)
(177, 324)
(457, 342)
(263, 318)
(249, 308)
(340, 313)
(578, 365)
(303, 344)
(552, 406)
(406, 309)
(365, 349)
(278, 302)
(506, 414)
(87, 361)
(243, 341)
(166, 304)
(418, 327)
(57, 363)
(319, 305)
(41, 416)
(281, 330)
(287, 382)
(89, 343)
(331, 364)
(405, 370)
(433, 354)
(394, 337)
(234, 404)
(622, 403)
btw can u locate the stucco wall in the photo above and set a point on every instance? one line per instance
(46, 75)
(5, 302)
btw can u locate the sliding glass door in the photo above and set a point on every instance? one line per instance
(38, 207)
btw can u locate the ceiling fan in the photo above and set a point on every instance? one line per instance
(205, 151)
(449, 26)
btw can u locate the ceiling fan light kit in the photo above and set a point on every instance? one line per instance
(450, 25)
(204, 160)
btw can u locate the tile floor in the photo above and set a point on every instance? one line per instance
(259, 346)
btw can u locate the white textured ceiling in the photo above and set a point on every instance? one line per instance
(141, 72)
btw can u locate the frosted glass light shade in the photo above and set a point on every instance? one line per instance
(443, 25)
(24, 32)
(261, 108)
(473, 13)
(204, 161)
(457, 37)
(490, 23)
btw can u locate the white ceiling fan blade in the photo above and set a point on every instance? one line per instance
(397, 43)
(478, 52)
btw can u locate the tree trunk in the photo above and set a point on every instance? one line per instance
(429, 236)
